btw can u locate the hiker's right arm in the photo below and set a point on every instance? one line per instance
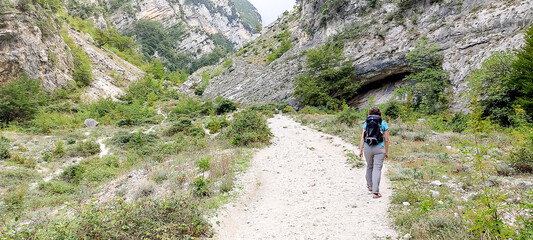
(362, 144)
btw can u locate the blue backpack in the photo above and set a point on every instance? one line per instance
(373, 134)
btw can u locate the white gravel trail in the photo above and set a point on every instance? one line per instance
(300, 187)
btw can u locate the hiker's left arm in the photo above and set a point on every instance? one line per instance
(387, 139)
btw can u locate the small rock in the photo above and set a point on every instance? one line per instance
(445, 177)
(436, 183)
(304, 192)
(434, 194)
(406, 204)
(406, 236)
(441, 202)
(448, 147)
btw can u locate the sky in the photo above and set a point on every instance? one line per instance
(270, 10)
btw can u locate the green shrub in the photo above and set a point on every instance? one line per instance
(175, 218)
(201, 186)
(392, 109)
(71, 141)
(183, 125)
(330, 78)
(188, 106)
(197, 132)
(20, 99)
(348, 115)
(215, 124)
(136, 139)
(14, 198)
(432, 84)
(59, 150)
(87, 148)
(56, 187)
(523, 74)
(4, 148)
(23, 160)
(285, 46)
(46, 156)
(82, 65)
(312, 110)
(73, 173)
(223, 106)
(459, 122)
(248, 127)
(494, 80)
(522, 158)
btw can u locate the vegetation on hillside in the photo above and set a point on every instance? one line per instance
(249, 15)
(330, 80)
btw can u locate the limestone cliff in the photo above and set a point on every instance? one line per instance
(378, 36)
(201, 18)
(30, 42)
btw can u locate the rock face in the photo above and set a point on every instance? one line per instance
(203, 18)
(30, 42)
(111, 74)
(467, 31)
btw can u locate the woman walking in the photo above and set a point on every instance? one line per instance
(375, 146)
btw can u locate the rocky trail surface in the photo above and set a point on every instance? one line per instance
(300, 187)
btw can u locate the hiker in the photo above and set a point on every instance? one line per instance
(375, 145)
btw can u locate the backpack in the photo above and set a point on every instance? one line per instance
(373, 134)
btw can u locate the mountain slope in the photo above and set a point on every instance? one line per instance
(376, 39)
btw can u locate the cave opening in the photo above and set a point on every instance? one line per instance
(390, 81)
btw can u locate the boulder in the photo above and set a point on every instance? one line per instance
(90, 123)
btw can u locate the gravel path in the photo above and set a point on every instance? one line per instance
(301, 188)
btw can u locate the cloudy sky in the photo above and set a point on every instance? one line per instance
(270, 10)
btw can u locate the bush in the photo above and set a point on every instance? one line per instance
(183, 125)
(348, 115)
(223, 106)
(73, 173)
(88, 148)
(459, 122)
(392, 109)
(20, 99)
(4, 148)
(523, 74)
(59, 150)
(82, 65)
(285, 46)
(175, 218)
(248, 127)
(136, 139)
(493, 80)
(23, 160)
(522, 159)
(201, 186)
(330, 79)
(71, 141)
(56, 187)
(430, 92)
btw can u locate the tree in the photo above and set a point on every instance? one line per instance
(20, 99)
(523, 74)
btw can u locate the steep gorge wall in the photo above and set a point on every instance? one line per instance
(31, 43)
(202, 17)
(376, 42)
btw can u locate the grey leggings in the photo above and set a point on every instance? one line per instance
(374, 162)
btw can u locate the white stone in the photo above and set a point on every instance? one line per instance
(436, 183)
(406, 204)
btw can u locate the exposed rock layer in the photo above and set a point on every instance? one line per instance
(467, 31)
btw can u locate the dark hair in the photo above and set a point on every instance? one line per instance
(374, 111)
